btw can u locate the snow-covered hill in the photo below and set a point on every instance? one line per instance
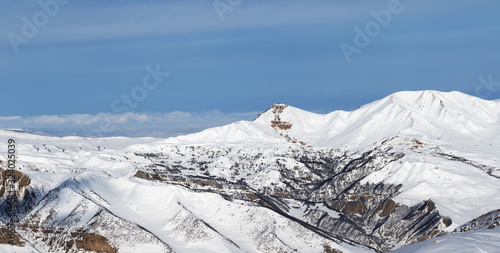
(403, 169)
(459, 118)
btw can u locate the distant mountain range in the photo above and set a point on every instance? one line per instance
(415, 168)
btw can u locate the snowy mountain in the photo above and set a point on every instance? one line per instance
(411, 167)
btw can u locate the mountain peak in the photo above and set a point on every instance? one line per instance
(275, 108)
(272, 116)
(429, 98)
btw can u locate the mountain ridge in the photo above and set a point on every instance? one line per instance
(409, 113)
(403, 169)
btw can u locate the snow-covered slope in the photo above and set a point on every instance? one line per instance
(403, 169)
(431, 114)
(476, 241)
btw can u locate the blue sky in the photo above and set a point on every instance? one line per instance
(229, 64)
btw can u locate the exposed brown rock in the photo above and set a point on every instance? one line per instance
(494, 225)
(447, 221)
(84, 241)
(20, 179)
(208, 183)
(387, 207)
(141, 174)
(281, 193)
(328, 249)
(251, 196)
(282, 125)
(93, 242)
(6, 237)
(349, 207)
(278, 108)
(148, 176)
(431, 206)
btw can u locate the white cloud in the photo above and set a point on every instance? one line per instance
(2, 119)
(46, 120)
(128, 124)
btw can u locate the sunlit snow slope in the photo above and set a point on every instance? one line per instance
(409, 160)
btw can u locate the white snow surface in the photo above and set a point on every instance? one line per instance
(483, 241)
(443, 122)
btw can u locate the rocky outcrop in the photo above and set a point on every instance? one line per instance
(21, 181)
(367, 213)
(490, 220)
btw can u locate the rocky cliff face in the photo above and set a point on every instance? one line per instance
(362, 213)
